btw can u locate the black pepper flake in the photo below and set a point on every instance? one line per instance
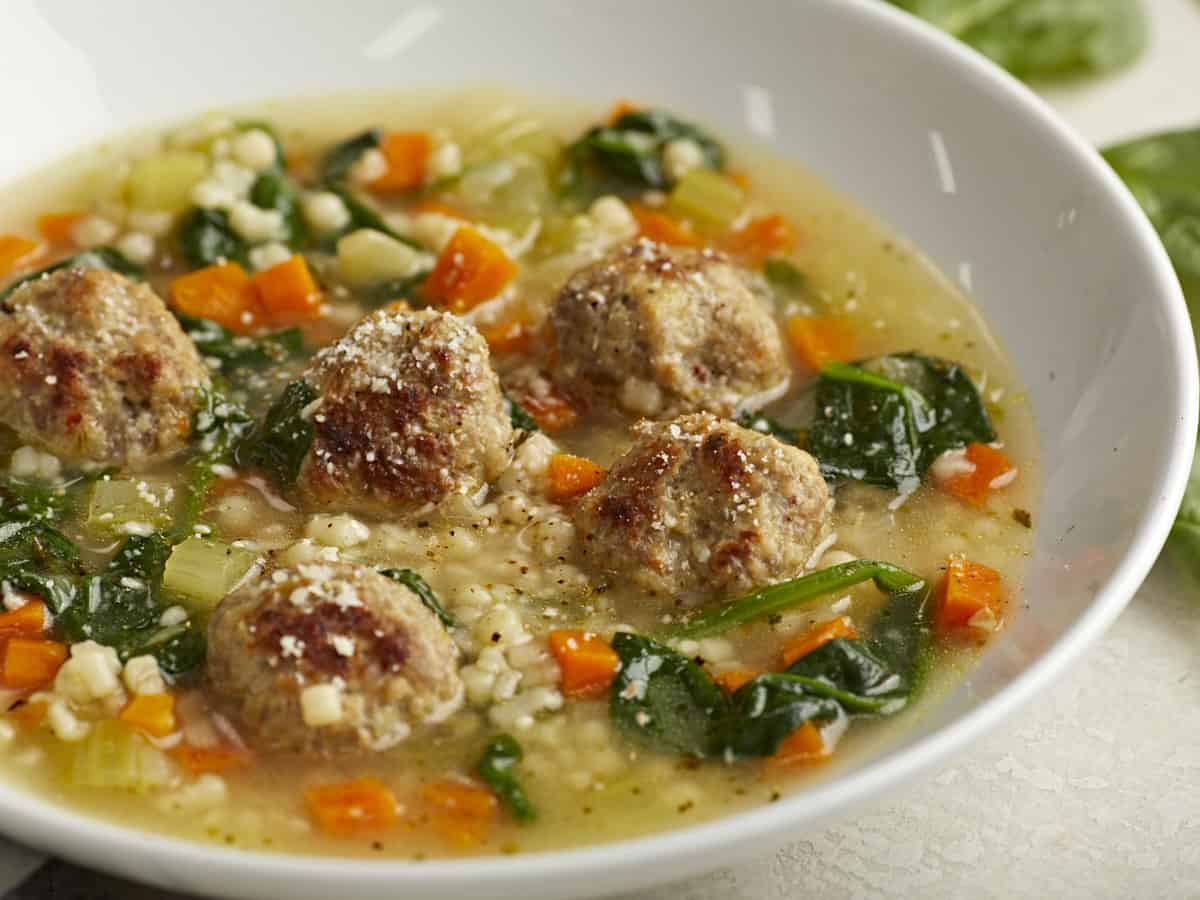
(775, 795)
(1022, 517)
(686, 806)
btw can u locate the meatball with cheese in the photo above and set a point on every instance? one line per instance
(659, 331)
(95, 369)
(701, 507)
(330, 658)
(408, 415)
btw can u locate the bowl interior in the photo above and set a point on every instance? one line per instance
(951, 152)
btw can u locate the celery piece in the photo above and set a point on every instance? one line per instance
(114, 756)
(204, 571)
(119, 502)
(165, 181)
(367, 256)
(709, 199)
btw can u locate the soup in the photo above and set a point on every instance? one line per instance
(467, 474)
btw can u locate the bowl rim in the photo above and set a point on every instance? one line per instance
(641, 861)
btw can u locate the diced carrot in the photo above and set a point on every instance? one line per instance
(429, 205)
(803, 746)
(968, 589)
(460, 812)
(28, 620)
(759, 239)
(740, 178)
(287, 292)
(30, 663)
(469, 270)
(990, 471)
(511, 336)
(572, 476)
(152, 713)
(201, 760)
(621, 108)
(588, 664)
(820, 340)
(350, 808)
(56, 227)
(735, 678)
(550, 409)
(221, 293)
(817, 636)
(660, 227)
(407, 153)
(29, 714)
(15, 251)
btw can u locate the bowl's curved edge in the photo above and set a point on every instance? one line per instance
(608, 868)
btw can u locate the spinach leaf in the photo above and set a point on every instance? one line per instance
(784, 278)
(900, 637)
(497, 768)
(218, 424)
(850, 665)
(20, 499)
(790, 594)
(663, 700)
(37, 544)
(232, 352)
(337, 162)
(1043, 38)
(279, 442)
(421, 588)
(96, 258)
(1163, 172)
(885, 420)
(627, 155)
(273, 190)
(766, 710)
(205, 238)
(521, 420)
(122, 607)
(392, 289)
(768, 425)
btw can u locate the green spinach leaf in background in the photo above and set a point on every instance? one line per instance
(1163, 172)
(1043, 38)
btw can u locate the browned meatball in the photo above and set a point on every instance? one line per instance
(409, 414)
(700, 506)
(660, 331)
(94, 368)
(330, 658)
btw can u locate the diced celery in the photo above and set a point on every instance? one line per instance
(114, 756)
(368, 256)
(707, 198)
(118, 502)
(165, 180)
(204, 571)
(509, 193)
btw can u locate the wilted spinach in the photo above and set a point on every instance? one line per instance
(885, 420)
(521, 420)
(273, 190)
(664, 700)
(497, 767)
(669, 703)
(421, 588)
(337, 162)
(234, 352)
(218, 424)
(279, 442)
(96, 258)
(627, 155)
(765, 424)
(1043, 38)
(205, 238)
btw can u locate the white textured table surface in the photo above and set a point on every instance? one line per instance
(1093, 790)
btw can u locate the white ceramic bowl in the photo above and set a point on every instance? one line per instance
(951, 151)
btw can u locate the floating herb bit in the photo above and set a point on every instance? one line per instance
(420, 587)
(279, 443)
(498, 768)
